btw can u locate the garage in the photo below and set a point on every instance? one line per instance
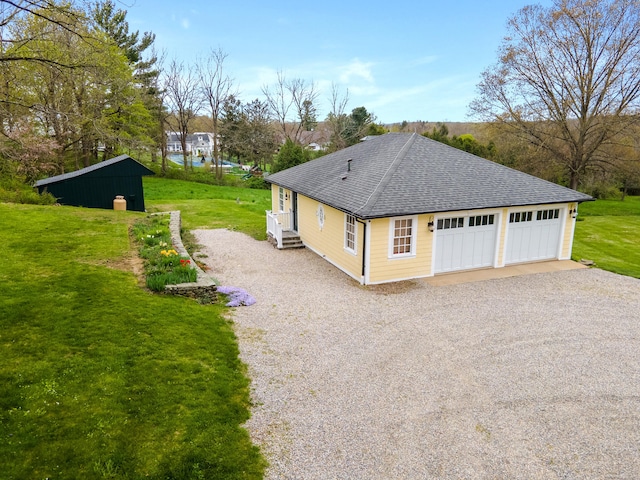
(464, 243)
(534, 235)
(402, 206)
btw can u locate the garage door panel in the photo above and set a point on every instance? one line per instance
(535, 237)
(451, 247)
(461, 246)
(522, 239)
(532, 245)
(484, 240)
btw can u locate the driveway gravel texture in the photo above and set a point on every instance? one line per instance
(529, 377)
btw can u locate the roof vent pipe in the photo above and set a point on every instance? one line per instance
(349, 164)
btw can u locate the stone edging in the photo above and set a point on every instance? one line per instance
(203, 289)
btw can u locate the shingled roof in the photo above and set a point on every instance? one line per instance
(407, 174)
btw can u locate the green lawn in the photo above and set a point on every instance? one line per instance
(206, 206)
(100, 378)
(608, 232)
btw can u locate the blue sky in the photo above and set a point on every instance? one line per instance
(404, 60)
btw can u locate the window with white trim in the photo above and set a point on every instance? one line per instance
(548, 214)
(350, 233)
(481, 220)
(447, 223)
(402, 237)
(519, 217)
(280, 199)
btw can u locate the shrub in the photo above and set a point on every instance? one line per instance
(257, 183)
(603, 191)
(13, 190)
(198, 175)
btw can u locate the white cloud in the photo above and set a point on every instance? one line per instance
(382, 89)
(441, 99)
(185, 23)
(357, 69)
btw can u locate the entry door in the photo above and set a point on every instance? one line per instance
(464, 243)
(533, 235)
(294, 210)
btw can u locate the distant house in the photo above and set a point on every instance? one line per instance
(97, 186)
(402, 206)
(315, 140)
(198, 144)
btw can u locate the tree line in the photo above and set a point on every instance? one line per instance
(566, 85)
(77, 86)
(74, 84)
(562, 101)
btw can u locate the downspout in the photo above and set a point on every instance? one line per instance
(364, 248)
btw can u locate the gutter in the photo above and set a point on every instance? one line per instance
(364, 248)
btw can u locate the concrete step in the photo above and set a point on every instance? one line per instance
(289, 240)
(292, 242)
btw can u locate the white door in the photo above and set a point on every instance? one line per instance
(464, 243)
(533, 235)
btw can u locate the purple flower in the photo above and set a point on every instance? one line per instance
(237, 296)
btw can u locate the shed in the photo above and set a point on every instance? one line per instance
(96, 186)
(402, 206)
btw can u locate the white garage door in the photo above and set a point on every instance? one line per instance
(463, 243)
(533, 235)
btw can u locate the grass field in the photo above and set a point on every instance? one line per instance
(608, 232)
(100, 378)
(204, 206)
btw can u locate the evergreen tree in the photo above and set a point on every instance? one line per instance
(290, 155)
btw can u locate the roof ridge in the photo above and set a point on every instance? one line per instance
(386, 178)
(85, 170)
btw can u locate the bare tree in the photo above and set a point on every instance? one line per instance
(287, 95)
(183, 99)
(337, 119)
(216, 89)
(567, 79)
(160, 111)
(304, 98)
(279, 102)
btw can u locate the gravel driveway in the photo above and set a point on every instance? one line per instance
(527, 377)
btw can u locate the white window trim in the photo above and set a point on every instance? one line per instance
(414, 234)
(280, 199)
(355, 234)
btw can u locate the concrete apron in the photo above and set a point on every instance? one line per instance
(504, 272)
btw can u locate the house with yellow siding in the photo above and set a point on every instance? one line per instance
(402, 206)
